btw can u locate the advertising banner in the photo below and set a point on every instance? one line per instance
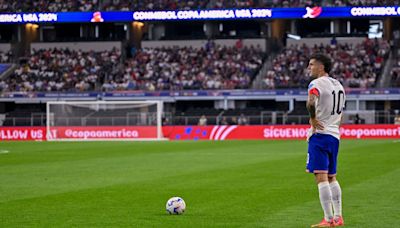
(22, 133)
(104, 132)
(206, 14)
(367, 131)
(222, 132)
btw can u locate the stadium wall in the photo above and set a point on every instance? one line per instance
(202, 43)
(84, 46)
(221, 132)
(5, 47)
(325, 41)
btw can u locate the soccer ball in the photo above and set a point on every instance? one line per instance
(175, 206)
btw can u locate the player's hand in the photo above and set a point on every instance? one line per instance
(315, 124)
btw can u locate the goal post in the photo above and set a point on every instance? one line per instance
(104, 120)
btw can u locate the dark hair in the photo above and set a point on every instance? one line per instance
(325, 60)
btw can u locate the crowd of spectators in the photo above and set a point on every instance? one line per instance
(395, 74)
(263, 3)
(61, 70)
(210, 67)
(361, 2)
(299, 3)
(48, 6)
(354, 66)
(5, 57)
(200, 4)
(133, 5)
(94, 5)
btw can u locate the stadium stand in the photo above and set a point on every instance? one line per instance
(395, 76)
(48, 6)
(5, 57)
(106, 5)
(361, 2)
(355, 66)
(263, 3)
(62, 70)
(125, 5)
(4, 67)
(211, 67)
(219, 4)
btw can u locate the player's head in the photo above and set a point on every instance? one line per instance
(319, 65)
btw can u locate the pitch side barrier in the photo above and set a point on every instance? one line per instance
(222, 132)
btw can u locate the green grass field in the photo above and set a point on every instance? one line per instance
(224, 184)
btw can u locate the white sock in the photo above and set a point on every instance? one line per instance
(325, 197)
(336, 198)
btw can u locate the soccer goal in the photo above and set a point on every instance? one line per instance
(103, 120)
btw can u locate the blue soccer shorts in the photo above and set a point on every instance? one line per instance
(322, 154)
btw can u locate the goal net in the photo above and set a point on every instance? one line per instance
(104, 120)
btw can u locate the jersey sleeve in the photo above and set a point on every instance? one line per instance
(313, 88)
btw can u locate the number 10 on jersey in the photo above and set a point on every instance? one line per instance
(337, 102)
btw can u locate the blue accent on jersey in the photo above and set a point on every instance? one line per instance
(322, 153)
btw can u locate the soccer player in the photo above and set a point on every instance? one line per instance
(325, 103)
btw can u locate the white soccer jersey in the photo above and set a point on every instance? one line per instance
(330, 103)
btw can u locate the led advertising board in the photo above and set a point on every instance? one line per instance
(211, 14)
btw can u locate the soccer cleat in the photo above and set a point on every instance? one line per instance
(324, 223)
(338, 221)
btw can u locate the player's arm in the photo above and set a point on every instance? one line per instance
(311, 101)
(311, 107)
(342, 114)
